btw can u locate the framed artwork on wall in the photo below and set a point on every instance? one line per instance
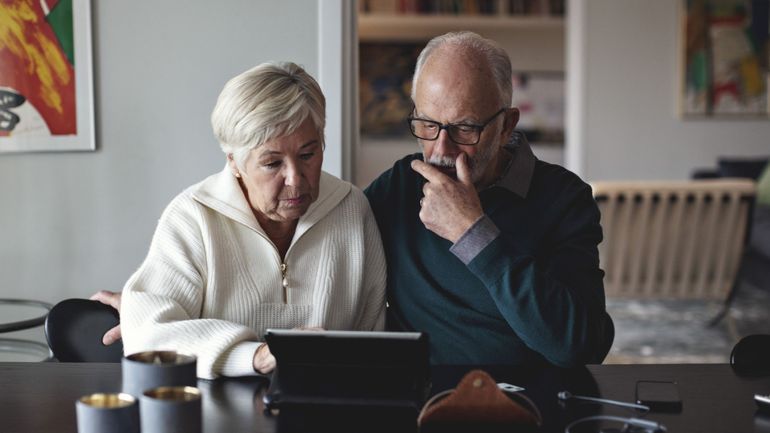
(539, 96)
(725, 50)
(385, 86)
(46, 88)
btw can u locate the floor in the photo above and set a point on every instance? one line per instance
(676, 331)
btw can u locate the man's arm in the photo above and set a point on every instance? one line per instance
(554, 301)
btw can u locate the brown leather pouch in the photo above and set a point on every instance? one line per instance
(477, 404)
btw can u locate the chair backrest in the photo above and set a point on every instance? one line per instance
(751, 355)
(677, 239)
(74, 330)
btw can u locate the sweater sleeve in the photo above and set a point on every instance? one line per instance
(377, 195)
(162, 301)
(553, 299)
(372, 315)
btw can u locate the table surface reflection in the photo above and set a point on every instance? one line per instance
(40, 397)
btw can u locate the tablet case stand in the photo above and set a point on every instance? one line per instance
(319, 368)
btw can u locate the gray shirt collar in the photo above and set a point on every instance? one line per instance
(519, 173)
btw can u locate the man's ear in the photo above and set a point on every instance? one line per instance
(511, 120)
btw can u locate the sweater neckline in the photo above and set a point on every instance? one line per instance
(221, 192)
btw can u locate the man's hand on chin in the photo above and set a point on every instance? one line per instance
(449, 207)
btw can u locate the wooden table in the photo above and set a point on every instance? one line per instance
(39, 398)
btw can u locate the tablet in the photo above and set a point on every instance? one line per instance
(348, 368)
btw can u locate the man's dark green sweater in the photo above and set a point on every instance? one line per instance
(530, 293)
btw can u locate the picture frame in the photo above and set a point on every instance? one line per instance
(539, 97)
(724, 59)
(46, 78)
(385, 85)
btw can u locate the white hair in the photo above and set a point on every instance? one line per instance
(497, 59)
(268, 101)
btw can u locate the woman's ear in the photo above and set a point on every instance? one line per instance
(233, 165)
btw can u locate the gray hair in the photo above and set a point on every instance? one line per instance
(497, 59)
(268, 101)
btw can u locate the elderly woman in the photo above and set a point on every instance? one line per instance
(271, 241)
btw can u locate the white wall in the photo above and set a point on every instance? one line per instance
(629, 59)
(72, 223)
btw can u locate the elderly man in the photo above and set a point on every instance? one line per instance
(490, 251)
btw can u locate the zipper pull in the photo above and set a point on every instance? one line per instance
(284, 283)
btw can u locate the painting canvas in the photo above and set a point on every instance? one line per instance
(385, 85)
(725, 44)
(539, 96)
(46, 101)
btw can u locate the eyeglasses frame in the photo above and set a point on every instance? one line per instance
(446, 127)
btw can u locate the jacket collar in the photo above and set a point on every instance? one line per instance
(519, 173)
(222, 193)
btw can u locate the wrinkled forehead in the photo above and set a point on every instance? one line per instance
(461, 62)
(454, 87)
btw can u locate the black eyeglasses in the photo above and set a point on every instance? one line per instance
(461, 133)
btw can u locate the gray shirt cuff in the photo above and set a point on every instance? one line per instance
(475, 239)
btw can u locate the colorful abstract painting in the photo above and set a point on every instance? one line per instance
(44, 90)
(726, 48)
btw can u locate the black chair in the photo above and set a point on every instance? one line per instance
(751, 266)
(751, 355)
(750, 168)
(74, 330)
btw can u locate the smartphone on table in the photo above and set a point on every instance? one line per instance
(659, 395)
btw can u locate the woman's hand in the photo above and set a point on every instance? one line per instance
(264, 361)
(113, 300)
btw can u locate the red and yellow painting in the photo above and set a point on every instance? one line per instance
(726, 57)
(37, 70)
